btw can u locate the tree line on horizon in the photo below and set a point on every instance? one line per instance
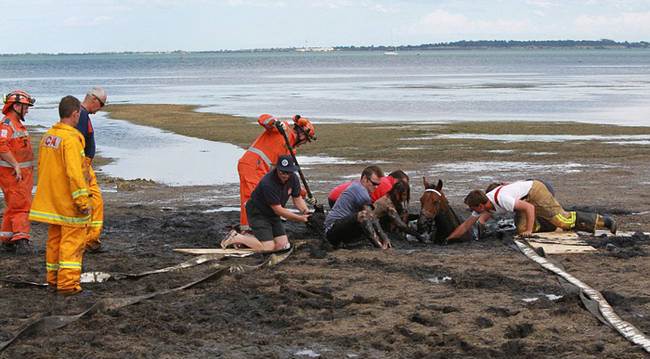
(462, 44)
(490, 44)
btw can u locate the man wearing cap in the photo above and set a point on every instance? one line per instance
(16, 170)
(264, 153)
(95, 99)
(266, 206)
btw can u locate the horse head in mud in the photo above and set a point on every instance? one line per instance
(437, 218)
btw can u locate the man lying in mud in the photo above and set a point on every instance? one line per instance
(267, 205)
(530, 200)
(352, 216)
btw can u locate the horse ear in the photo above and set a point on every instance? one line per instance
(439, 185)
(425, 182)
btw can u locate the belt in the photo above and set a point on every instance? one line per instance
(27, 164)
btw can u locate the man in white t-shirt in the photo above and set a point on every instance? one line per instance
(530, 200)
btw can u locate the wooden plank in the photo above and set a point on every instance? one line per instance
(556, 235)
(551, 248)
(213, 251)
(574, 242)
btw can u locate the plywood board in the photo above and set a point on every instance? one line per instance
(553, 248)
(213, 251)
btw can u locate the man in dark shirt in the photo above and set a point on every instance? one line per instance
(95, 99)
(266, 206)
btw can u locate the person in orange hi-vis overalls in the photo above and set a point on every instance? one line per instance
(264, 153)
(16, 171)
(62, 198)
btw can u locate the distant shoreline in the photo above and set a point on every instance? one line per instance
(603, 44)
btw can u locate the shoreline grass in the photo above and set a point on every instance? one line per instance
(384, 140)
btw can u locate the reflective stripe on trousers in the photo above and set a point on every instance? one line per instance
(262, 155)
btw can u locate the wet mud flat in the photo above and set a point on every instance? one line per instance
(473, 299)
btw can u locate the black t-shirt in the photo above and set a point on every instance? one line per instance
(270, 191)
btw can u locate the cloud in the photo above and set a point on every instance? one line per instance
(257, 3)
(633, 23)
(441, 22)
(76, 21)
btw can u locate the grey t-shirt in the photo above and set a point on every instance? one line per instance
(351, 201)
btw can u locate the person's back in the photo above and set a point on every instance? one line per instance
(351, 201)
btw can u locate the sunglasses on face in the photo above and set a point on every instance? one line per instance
(101, 103)
(374, 183)
(285, 172)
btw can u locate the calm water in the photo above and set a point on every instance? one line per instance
(602, 86)
(606, 86)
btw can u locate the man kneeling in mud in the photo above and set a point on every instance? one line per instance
(352, 216)
(266, 206)
(533, 203)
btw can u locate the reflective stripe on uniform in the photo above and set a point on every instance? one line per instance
(96, 223)
(269, 120)
(52, 266)
(263, 155)
(27, 164)
(58, 217)
(80, 192)
(70, 265)
(571, 220)
(19, 134)
(6, 234)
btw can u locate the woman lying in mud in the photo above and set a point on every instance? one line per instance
(266, 206)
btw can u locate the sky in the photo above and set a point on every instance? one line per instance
(62, 26)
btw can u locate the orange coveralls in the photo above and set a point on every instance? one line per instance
(258, 159)
(61, 200)
(18, 195)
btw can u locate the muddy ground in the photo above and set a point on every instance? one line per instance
(461, 300)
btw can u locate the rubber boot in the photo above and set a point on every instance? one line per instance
(606, 222)
(586, 222)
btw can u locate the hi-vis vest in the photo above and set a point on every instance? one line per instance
(62, 189)
(14, 138)
(268, 146)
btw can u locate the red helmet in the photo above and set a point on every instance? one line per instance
(305, 126)
(17, 96)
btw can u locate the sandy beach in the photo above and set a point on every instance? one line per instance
(357, 303)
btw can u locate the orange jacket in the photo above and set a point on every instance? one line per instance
(14, 138)
(62, 191)
(268, 146)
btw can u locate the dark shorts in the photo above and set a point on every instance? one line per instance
(346, 229)
(264, 227)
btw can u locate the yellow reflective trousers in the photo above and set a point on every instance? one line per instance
(97, 207)
(65, 248)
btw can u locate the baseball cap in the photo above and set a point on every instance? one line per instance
(99, 93)
(286, 164)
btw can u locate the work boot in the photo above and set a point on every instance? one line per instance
(586, 222)
(608, 222)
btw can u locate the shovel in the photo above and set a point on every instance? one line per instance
(317, 207)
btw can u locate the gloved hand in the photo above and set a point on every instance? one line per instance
(280, 126)
(311, 200)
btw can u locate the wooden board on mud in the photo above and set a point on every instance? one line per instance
(213, 251)
(560, 243)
